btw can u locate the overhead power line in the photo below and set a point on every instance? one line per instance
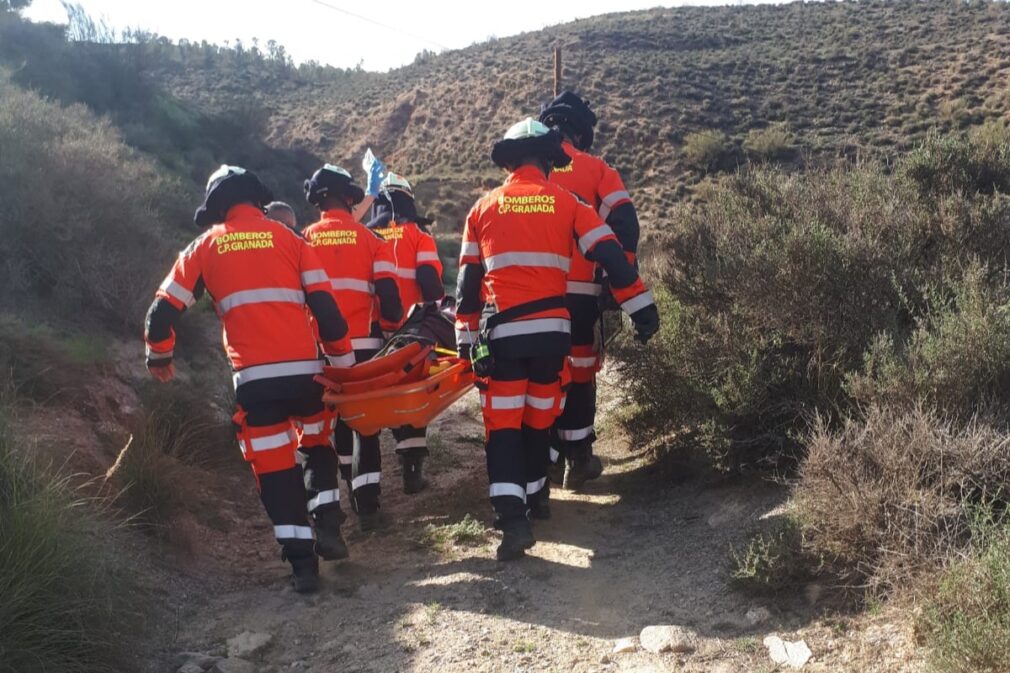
(366, 19)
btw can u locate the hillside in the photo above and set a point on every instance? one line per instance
(839, 316)
(849, 79)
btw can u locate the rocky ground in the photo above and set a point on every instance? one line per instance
(425, 594)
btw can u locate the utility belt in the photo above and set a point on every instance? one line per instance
(481, 351)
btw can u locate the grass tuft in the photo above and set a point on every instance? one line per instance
(468, 532)
(66, 594)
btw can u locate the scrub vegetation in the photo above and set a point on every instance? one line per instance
(69, 603)
(825, 196)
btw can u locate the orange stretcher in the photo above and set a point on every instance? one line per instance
(408, 386)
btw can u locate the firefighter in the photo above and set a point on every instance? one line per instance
(516, 253)
(419, 273)
(363, 275)
(599, 185)
(261, 277)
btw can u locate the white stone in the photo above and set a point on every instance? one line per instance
(625, 645)
(190, 668)
(248, 643)
(786, 653)
(658, 639)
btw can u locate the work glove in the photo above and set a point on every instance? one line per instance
(375, 172)
(164, 373)
(646, 321)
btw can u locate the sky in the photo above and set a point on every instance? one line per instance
(380, 35)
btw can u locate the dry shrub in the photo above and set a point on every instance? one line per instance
(181, 430)
(785, 297)
(891, 495)
(773, 143)
(706, 150)
(83, 215)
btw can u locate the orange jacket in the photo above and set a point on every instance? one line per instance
(412, 248)
(259, 274)
(356, 259)
(599, 185)
(517, 248)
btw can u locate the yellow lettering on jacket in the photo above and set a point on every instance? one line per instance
(567, 169)
(532, 204)
(390, 233)
(238, 241)
(334, 237)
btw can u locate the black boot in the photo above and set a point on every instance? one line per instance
(413, 472)
(330, 545)
(370, 518)
(305, 574)
(556, 471)
(517, 537)
(540, 503)
(581, 466)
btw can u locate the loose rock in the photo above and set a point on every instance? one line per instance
(248, 643)
(792, 654)
(625, 645)
(233, 666)
(658, 639)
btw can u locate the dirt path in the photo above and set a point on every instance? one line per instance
(632, 552)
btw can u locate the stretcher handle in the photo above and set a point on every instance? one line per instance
(402, 358)
(427, 385)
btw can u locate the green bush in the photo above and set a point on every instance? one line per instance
(774, 560)
(966, 619)
(949, 166)
(773, 143)
(957, 357)
(68, 605)
(790, 296)
(706, 150)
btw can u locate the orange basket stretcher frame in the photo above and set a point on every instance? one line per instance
(415, 403)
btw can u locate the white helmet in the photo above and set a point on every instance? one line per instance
(395, 183)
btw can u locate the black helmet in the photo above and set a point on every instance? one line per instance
(570, 110)
(529, 138)
(332, 180)
(229, 186)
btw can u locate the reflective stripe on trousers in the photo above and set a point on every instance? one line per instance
(293, 532)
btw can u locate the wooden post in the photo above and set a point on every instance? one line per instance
(557, 71)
